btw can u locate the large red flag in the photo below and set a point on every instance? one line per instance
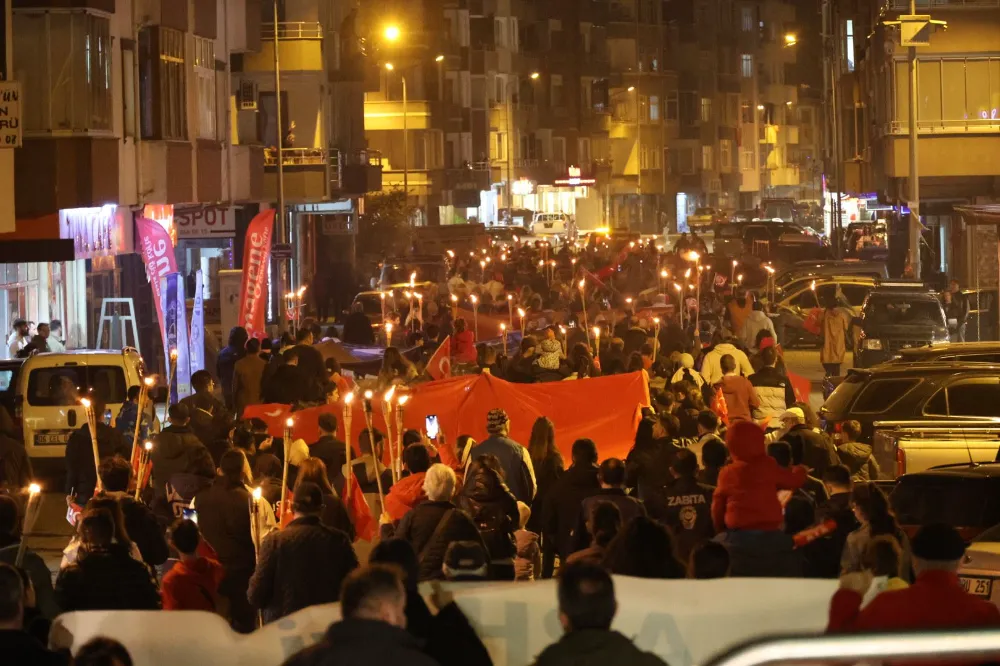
(439, 365)
(256, 257)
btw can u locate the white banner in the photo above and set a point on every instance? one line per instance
(685, 622)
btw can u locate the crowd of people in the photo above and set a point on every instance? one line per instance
(729, 475)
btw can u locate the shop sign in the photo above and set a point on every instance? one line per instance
(575, 178)
(95, 232)
(206, 222)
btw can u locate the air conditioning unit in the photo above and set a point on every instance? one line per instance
(248, 95)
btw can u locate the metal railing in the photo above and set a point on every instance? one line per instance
(293, 30)
(957, 646)
(296, 157)
(904, 5)
(962, 126)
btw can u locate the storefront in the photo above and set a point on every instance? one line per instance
(205, 238)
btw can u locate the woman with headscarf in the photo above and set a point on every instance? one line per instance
(687, 373)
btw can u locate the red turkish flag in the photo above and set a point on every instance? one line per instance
(365, 527)
(439, 365)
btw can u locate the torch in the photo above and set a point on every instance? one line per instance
(562, 330)
(503, 336)
(255, 498)
(521, 313)
(482, 271)
(30, 514)
(287, 436)
(400, 406)
(732, 272)
(143, 462)
(371, 440)
(171, 373)
(387, 417)
(663, 279)
(92, 424)
(769, 289)
(147, 383)
(680, 302)
(388, 333)
(583, 301)
(552, 270)
(475, 316)
(510, 311)
(454, 307)
(381, 296)
(597, 340)
(656, 336)
(298, 308)
(348, 415)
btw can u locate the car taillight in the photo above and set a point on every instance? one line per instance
(900, 462)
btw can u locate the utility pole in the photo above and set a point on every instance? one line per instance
(915, 226)
(914, 30)
(284, 272)
(406, 145)
(510, 158)
(638, 120)
(838, 136)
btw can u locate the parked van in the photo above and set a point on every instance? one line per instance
(49, 388)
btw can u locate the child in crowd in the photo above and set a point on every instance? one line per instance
(551, 351)
(528, 562)
(882, 559)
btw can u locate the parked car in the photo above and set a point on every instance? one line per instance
(550, 224)
(794, 305)
(897, 316)
(980, 568)
(702, 218)
(49, 388)
(429, 269)
(970, 352)
(733, 239)
(963, 495)
(504, 236)
(814, 269)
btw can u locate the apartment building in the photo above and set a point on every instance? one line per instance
(958, 125)
(153, 108)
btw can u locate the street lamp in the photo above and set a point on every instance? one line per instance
(510, 152)
(406, 135)
(392, 33)
(440, 58)
(791, 39)
(534, 76)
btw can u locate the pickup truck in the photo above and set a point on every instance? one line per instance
(905, 447)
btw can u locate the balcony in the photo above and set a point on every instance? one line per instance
(297, 54)
(926, 6)
(358, 173)
(306, 174)
(246, 181)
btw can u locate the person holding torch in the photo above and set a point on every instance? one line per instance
(92, 442)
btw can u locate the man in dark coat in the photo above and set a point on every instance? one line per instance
(810, 447)
(611, 475)
(224, 520)
(140, 522)
(302, 565)
(358, 327)
(837, 508)
(373, 631)
(330, 450)
(562, 507)
(518, 471)
(287, 385)
(687, 506)
(312, 366)
(16, 645)
(587, 606)
(81, 474)
(210, 420)
(177, 450)
(226, 363)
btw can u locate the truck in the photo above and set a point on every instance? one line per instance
(459, 238)
(908, 446)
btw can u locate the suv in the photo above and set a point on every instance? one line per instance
(548, 224)
(894, 317)
(966, 496)
(970, 352)
(396, 272)
(815, 269)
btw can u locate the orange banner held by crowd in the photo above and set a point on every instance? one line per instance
(604, 409)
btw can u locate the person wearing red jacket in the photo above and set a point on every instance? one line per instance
(192, 583)
(746, 496)
(936, 600)
(409, 490)
(463, 343)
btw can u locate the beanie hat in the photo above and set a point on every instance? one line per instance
(687, 361)
(465, 560)
(766, 342)
(938, 542)
(496, 420)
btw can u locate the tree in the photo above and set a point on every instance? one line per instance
(384, 228)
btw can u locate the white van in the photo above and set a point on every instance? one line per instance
(49, 388)
(547, 224)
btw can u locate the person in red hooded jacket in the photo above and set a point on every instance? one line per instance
(409, 490)
(746, 497)
(192, 583)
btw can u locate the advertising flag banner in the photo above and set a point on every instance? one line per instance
(256, 258)
(157, 250)
(197, 338)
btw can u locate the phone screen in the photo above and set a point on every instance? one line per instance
(431, 425)
(190, 514)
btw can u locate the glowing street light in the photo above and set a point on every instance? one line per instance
(389, 66)
(791, 39)
(534, 76)
(440, 58)
(392, 33)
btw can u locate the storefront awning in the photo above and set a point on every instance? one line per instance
(35, 251)
(980, 214)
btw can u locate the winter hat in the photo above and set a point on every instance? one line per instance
(308, 498)
(687, 361)
(938, 542)
(496, 420)
(793, 411)
(766, 342)
(465, 560)
(745, 437)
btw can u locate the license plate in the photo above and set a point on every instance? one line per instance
(977, 587)
(52, 437)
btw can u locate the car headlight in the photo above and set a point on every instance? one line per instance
(873, 344)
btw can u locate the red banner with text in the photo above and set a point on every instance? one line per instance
(256, 257)
(157, 250)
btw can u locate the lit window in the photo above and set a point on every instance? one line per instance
(849, 47)
(746, 65)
